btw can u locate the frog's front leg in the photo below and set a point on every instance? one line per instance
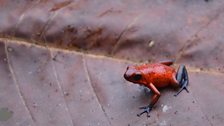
(182, 79)
(155, 98)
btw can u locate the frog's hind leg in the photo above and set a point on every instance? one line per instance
(182, 79)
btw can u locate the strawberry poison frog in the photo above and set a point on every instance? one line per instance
(157, 75)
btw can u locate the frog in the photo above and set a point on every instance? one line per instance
(156, 76)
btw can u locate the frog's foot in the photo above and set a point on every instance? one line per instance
(146, 110)
(182, 78)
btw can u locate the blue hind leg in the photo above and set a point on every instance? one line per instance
(182, 78)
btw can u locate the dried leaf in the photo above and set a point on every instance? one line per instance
(46, 82)
(58, 87)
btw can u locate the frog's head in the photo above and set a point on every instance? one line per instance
(134, 75)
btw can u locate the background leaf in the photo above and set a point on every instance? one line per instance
(62, 62)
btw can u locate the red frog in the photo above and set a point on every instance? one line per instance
(157, 75)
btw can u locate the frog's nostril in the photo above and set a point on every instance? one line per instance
(127, 67)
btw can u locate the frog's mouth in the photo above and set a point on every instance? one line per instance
(130, 79)
(127, 77)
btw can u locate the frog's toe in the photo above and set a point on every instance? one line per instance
(146, 109)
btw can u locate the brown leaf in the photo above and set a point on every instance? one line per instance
(47, 86)
(10, 96)
(60, 5)
(45, 81)
(117, 28)
(206, 49)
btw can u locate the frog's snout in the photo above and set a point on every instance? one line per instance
(127, 73)
(126, 76)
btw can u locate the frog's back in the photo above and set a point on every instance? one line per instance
(158, 74)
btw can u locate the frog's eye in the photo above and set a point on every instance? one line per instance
(137, 77)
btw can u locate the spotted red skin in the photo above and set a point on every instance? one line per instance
(158, 74)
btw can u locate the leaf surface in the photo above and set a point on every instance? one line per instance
(62, 62)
